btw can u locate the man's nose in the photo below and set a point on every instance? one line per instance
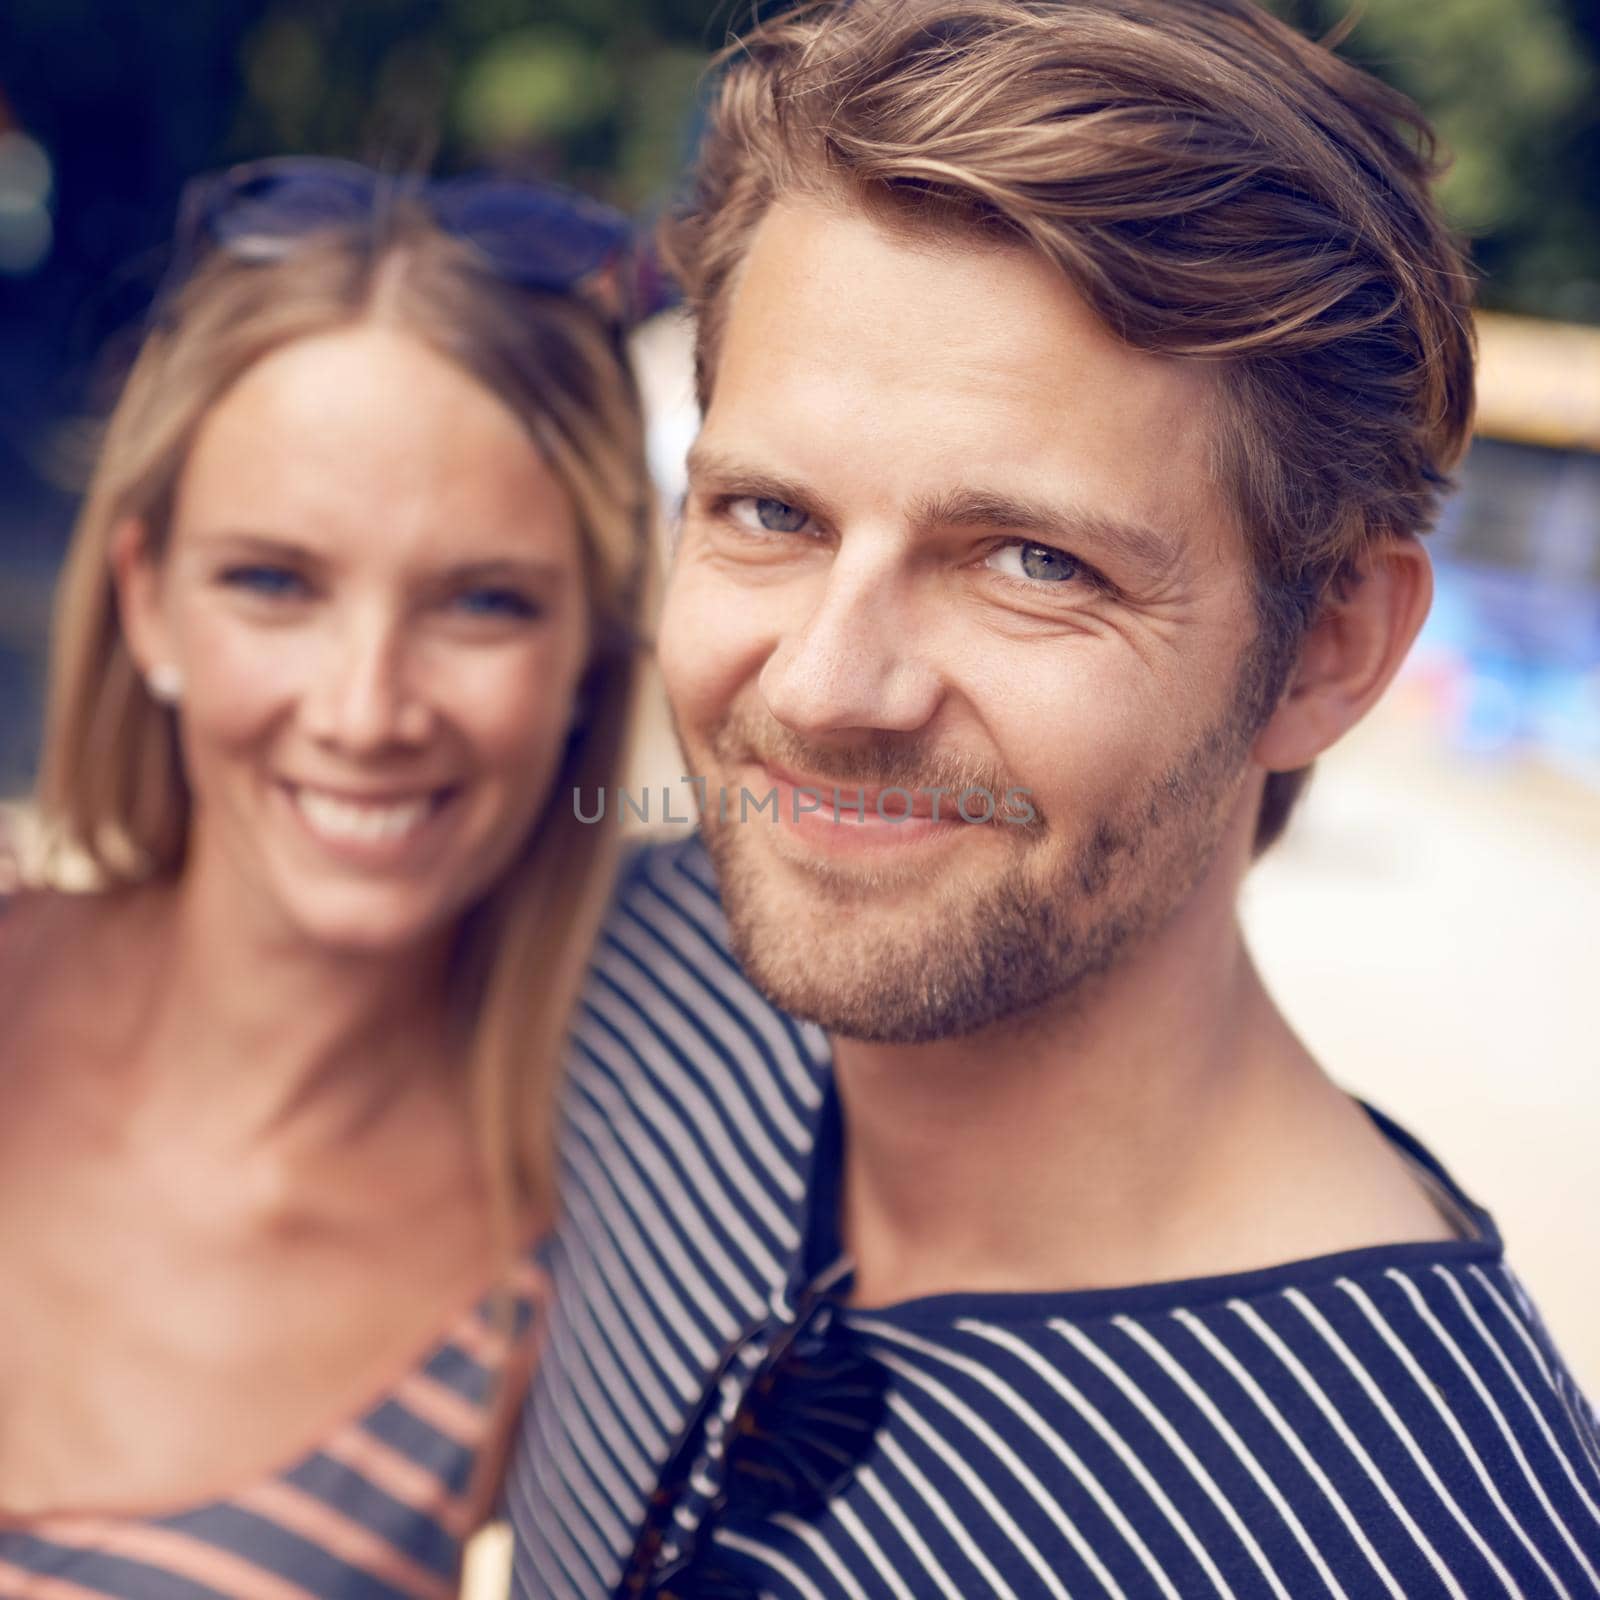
(854, 662)
(364, 700)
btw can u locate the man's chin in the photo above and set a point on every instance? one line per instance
(859, 987)
(906, 962)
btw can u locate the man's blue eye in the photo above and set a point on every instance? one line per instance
(496, 603)
(1047, 565)
(271, 582)
(1038, 563)
(780, 517)
(757, 513)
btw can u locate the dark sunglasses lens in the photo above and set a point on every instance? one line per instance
(545, 240)
(804, 1429)
(287, 207)
(804, 1426)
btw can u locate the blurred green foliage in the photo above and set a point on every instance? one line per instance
(1513, 90)
(600, 92)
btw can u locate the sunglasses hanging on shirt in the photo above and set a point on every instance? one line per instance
(788, 1417)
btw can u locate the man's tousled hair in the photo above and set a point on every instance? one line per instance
(1216, 187)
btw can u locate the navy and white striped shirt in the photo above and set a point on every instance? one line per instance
(1386, 1422)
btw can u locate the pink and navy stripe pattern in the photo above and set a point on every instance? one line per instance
(379, 1511)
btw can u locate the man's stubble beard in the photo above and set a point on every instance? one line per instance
(971, 954)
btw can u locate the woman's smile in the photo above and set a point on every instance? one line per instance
(373, 828)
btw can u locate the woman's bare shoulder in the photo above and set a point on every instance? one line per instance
(30, 933)
(54, 942)
(29, 918)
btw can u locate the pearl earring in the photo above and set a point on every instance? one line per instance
(165, 683)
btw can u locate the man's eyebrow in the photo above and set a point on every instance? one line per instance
(1075, 528)
(711, 470)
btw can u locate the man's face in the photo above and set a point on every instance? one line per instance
(944, 531)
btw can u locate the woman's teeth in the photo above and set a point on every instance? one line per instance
(361, 822)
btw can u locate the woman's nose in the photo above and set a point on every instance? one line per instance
(363, 700)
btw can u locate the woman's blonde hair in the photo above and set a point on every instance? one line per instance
(112, 792)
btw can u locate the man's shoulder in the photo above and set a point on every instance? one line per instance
(1401, 1416)
(672, 867)
(668, 1002)
(689, 1115)
(1427, 1330)
(666, 917)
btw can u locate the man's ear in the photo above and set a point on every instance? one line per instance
(1349, 654)
(136, 576)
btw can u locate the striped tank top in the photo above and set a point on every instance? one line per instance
(380, 1510)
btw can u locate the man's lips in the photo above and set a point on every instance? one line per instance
(855, 799)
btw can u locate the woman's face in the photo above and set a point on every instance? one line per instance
(373, 597)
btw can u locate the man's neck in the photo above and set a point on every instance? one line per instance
(1166, 1125)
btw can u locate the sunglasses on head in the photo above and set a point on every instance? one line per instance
(787, 1418)
(538, 236)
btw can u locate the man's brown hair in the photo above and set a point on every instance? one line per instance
(1215, 186)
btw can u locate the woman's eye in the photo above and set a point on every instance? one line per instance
(1036, 563)
(767, 516)
(511, 603)
(271, 583)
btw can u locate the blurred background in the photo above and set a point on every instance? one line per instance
(1432, 922)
